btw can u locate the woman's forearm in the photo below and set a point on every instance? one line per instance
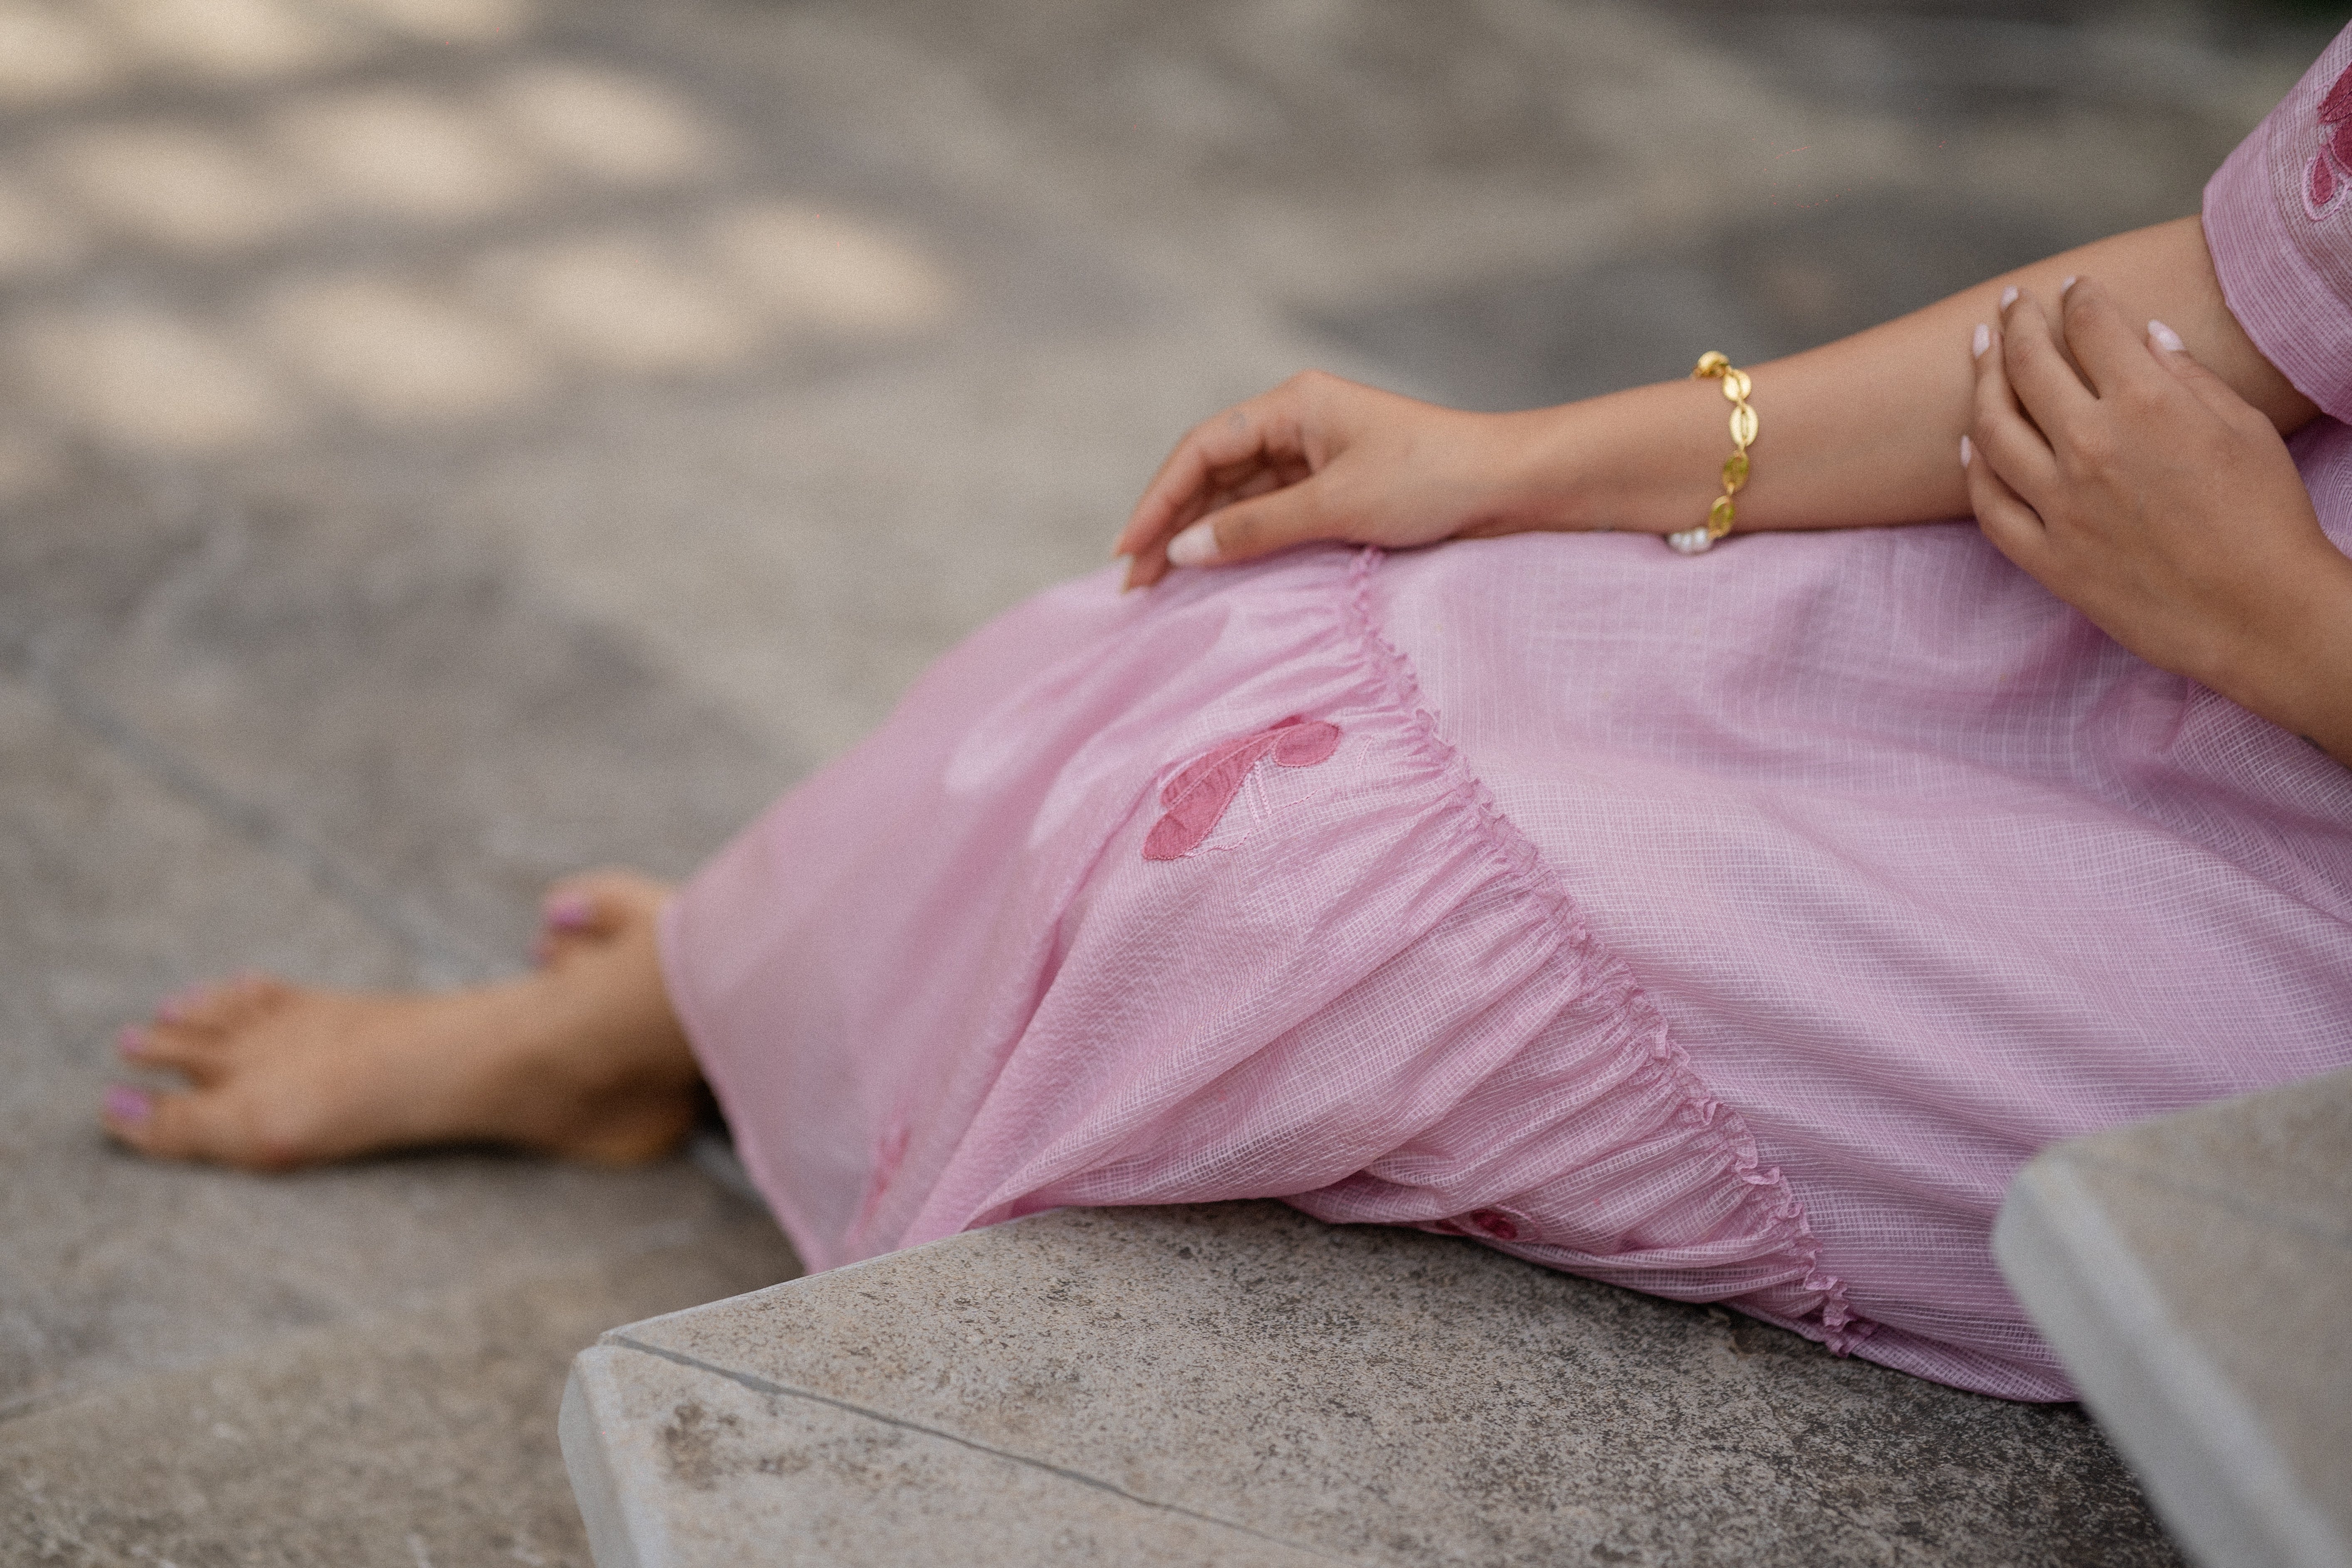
(1864, 430)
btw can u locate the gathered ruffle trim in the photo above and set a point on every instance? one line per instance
(1664, 1067)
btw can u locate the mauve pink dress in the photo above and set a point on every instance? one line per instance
(1730, 928)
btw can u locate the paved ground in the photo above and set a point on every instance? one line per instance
(446, 442)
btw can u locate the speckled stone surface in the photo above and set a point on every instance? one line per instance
(2195, 1275)
(1364, 1396)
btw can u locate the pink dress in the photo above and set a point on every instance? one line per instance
(1730, 928)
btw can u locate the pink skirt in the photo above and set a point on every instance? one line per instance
(1729, 928)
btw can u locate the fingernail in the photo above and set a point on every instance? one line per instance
(569, 912)
(1981, 341)
(124, 1103)
(1967, 452)
(131, 1042)
(1196, 546)
(2164, 337)
(2068, 284)
(2009, 296)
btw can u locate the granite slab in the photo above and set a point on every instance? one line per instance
(1240, 1383)
(2195, 1274)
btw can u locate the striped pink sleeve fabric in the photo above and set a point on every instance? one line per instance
(2278, 218)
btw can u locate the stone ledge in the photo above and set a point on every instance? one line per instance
(1239, 1384)
(2195, 1274)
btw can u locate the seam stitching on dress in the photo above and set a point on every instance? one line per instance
(1841, 1327)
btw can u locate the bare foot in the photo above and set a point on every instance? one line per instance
(582, 1058)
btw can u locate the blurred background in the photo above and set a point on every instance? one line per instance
(443, 443)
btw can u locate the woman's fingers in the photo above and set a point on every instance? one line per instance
(1322, 458)
(2164, 346)
(2000, 433)
(1199, 475)
(2047, 386)
(2111, 350)
(1221, 454)
(1259, 526)
(2015, 528)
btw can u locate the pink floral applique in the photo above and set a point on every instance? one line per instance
(1198, 799)
(2329, 179)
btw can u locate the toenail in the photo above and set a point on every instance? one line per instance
(124, 1103)
(570, 912)
(131, 1042)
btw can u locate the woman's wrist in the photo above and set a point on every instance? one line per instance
(1644, 461)
(2297, 671)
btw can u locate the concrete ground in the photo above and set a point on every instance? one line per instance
(443, 443)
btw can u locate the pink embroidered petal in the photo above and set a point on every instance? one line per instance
(1305, 744)
(2340, 143)
(2337, 105)
(2322, 189)
(1198, 797)
(1192, 818)
(1198, 771)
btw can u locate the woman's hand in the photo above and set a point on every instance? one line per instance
(1319, 457)
(2137, 486)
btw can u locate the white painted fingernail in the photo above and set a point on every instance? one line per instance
(2068, 284)
(2009, 296)
(1967, 452)
(2164, 337)
(1981, 341)
(1196, 546)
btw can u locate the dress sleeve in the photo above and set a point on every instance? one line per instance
(2278, 219)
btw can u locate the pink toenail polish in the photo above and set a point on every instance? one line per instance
(570, 912)
(131, 1042)
(124, 1103)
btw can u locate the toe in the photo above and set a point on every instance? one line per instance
(594, 906)
(201, 1125)
(156, 1124)
(224, 1006)
(196, 1052)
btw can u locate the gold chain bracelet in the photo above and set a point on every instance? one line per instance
(1713, 366)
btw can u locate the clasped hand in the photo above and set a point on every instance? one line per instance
(2137, 486)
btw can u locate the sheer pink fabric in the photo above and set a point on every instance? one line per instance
(1730, 928)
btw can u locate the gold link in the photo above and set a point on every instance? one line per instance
(1713, 365)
